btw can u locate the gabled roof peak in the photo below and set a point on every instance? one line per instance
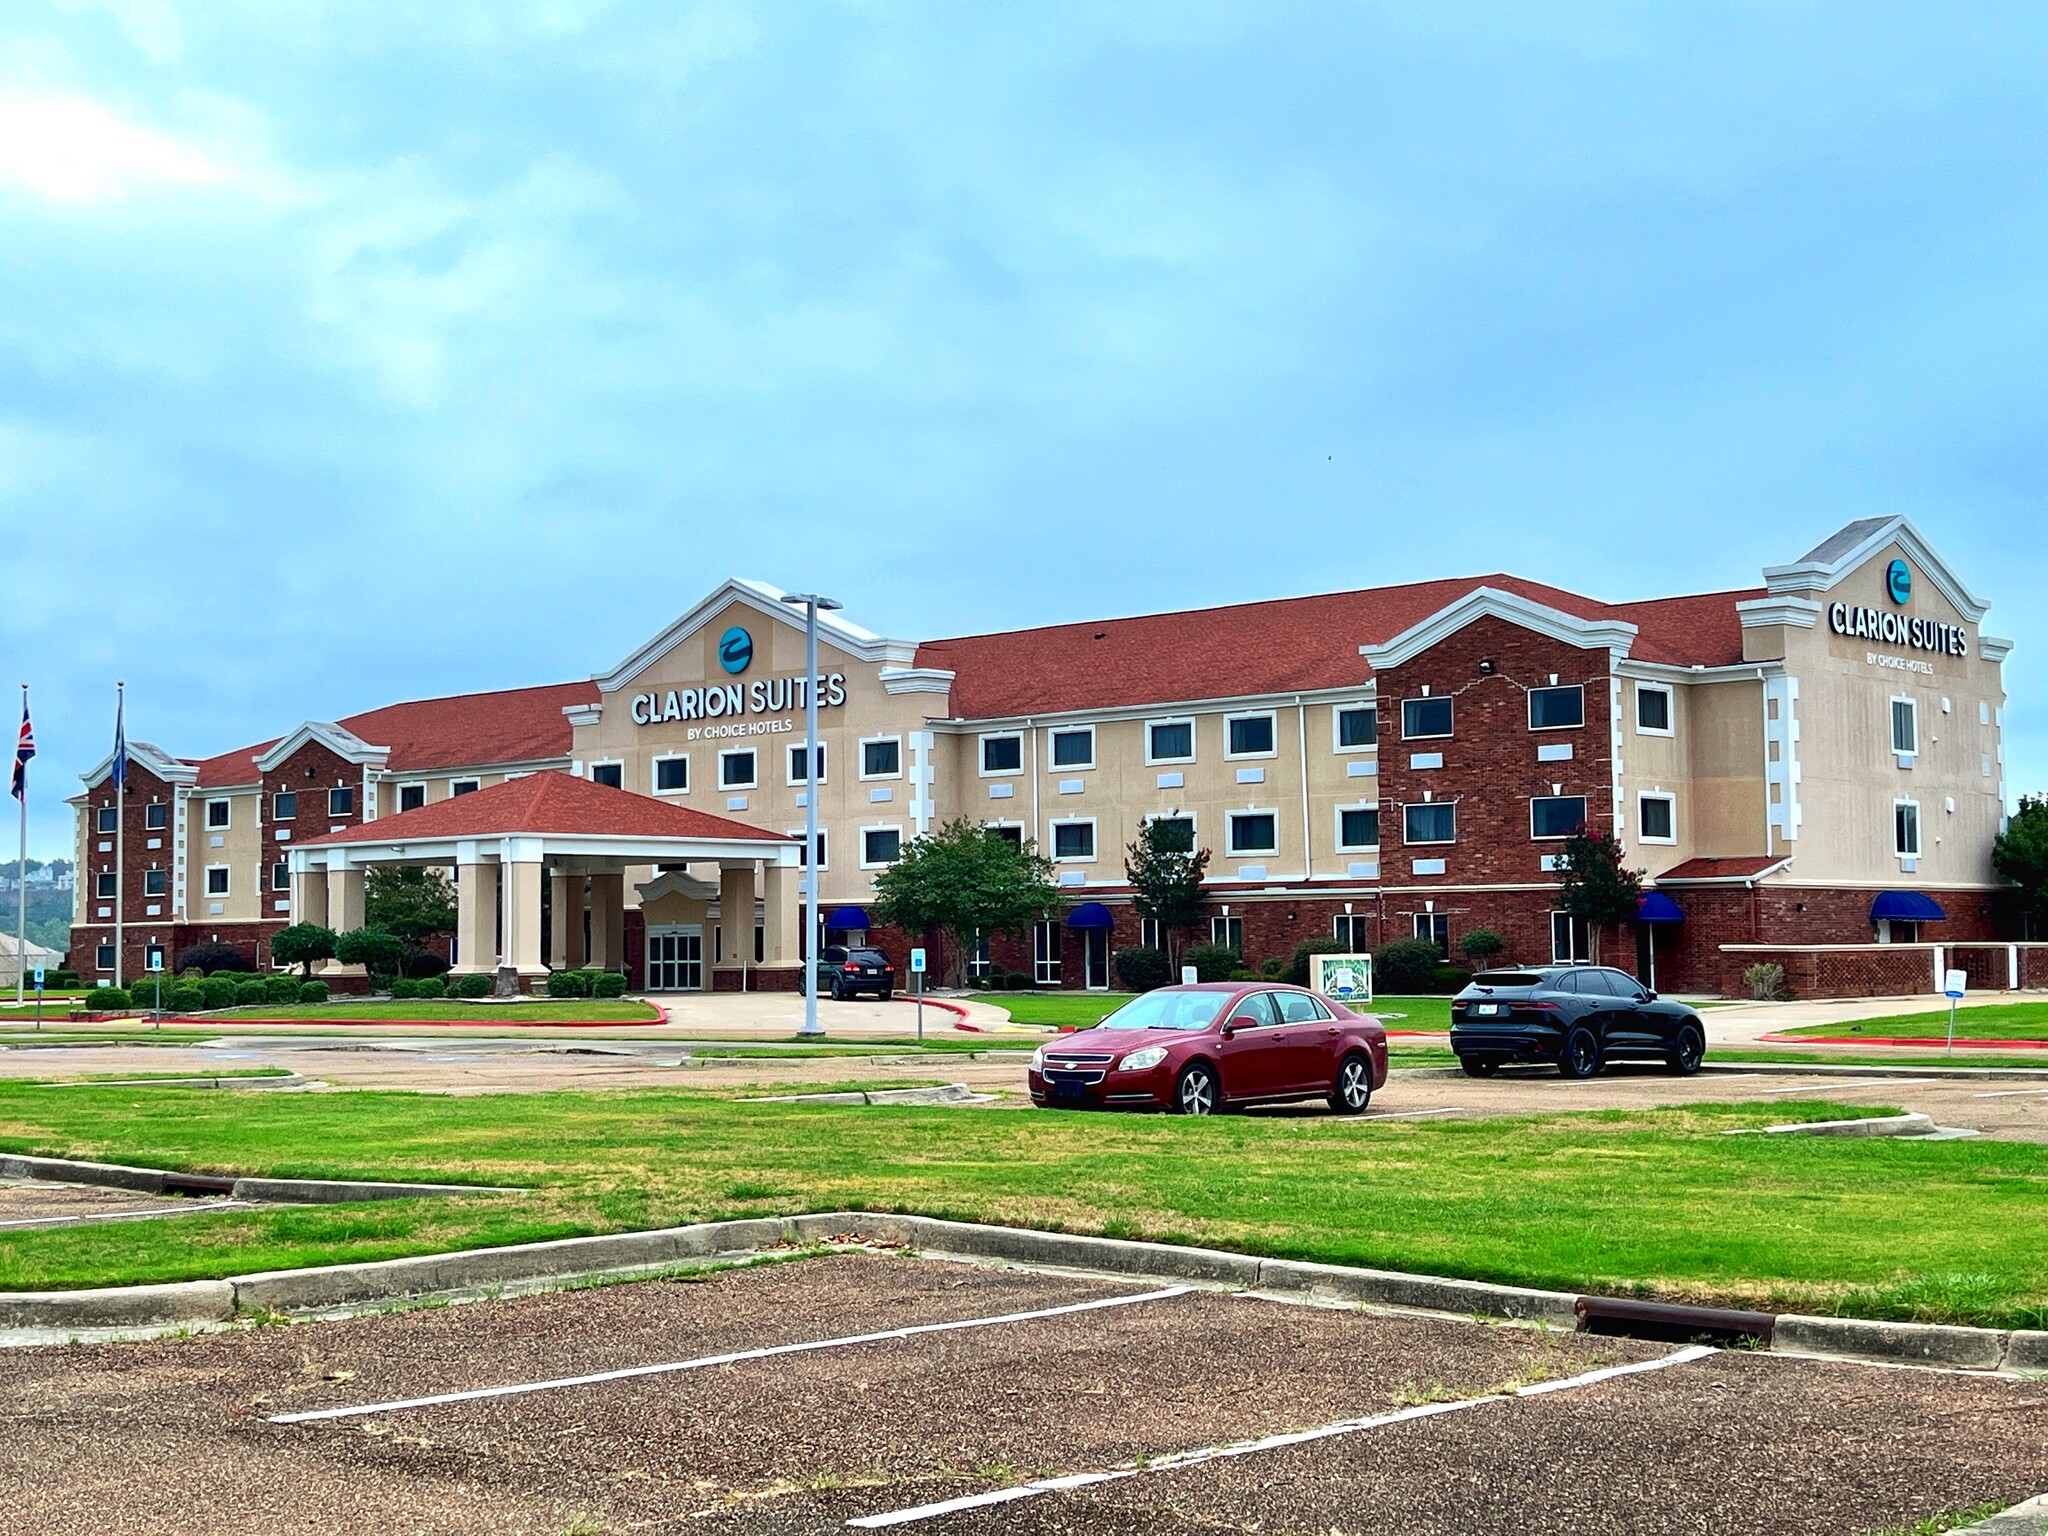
(1844, 551)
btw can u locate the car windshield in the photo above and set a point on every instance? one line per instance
(1169, 1010)
(867, 957)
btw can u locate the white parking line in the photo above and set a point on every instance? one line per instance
(169, 1210)
(514, 1389)
(1409, 1114)
(1874, 1082)
(1174, 1462)
(2016, 1093)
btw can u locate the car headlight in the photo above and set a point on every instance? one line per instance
(1139, 1061)
(1038, 1059)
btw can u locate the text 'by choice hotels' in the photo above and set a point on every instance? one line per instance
(763, 696)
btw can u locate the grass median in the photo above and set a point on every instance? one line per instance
(1988, 1021)
(1081, 1010)
(1656, 1203)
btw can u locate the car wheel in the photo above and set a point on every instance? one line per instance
(1688, 1050)
(1581, 1055)
(1479, 1066)
(1352, 1091)
(887, 993)
(1196, 1092)
(838, 992)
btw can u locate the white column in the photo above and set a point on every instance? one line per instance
(736, 915)
(522, 916)
(476, 915)
(309, 897)
(608, 922)
(565, 923)
(343, 899)
(779, 917)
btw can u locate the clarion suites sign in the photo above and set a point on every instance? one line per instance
(763, 696)
(1897, 629)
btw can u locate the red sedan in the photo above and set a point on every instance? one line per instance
(1204, 1049)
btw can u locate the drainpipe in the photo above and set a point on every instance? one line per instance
(1308, 857)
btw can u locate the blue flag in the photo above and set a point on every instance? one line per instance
(120, 772)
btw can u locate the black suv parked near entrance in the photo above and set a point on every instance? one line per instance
(1577, 1016)
(841, 972)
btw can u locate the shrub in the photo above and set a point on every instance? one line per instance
(1481, 946)
(429, 987)
(312, 991)
(1766, 983)
(1140, 969)
(251, 991)
(1016, 981)
(147, 989)
(106, 999)
(1298, 965)
(472, 985)
(1212, 962)
(402, 988)
(1406, 967)
(282, 989)
(1446, 979)
(569, 984)
(1243, 973)
(422, 962)
(184, 997)
(218, 992)
(1272, 968)
(61, 977)
(215, 958)
(372, 948)
(608, 984)
(380, 981)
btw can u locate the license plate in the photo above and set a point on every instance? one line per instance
(1066, 1090)
(1487, 1008)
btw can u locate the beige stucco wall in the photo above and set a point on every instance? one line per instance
(240, 848)
(1711, 765)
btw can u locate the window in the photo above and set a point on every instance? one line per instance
(1350, 930)
(1002, 754)
(103, 957)
(880, 846)
(1906, 828)
(1905, 727)
(1227, 931)
(797, 775)
(109, 819)
(156, 816)
(1045, 953)
(1435, 927)
(978, 963)
(611, 775)
(1556, 816)
(736, 769)
(824, 848)
(1657, 818)
(1570, 942)
(1074, 748)
(217, 812)
(1553, 708)
(1358, 826)
(1300, 1007)
(216, 879)
(280, 877)
(103, 885)
(1253, 832)
(1073, 840)
(1169, 741)
(464, 787)
(340, 802)
(1008, 831)
(1433, 822)
(882, 758)
(1255, 1012)
(1425, 717)
(1653, 709)
(154, 881)
(1248, 736)
(1151, 933)
(1357, 726)
(284, 805)
(1176, 833)
(411, 796)
(671, 775)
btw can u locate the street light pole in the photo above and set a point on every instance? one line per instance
(810, 602)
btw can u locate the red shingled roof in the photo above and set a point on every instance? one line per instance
(549, 802)
(1738, 867)
(1281, 646)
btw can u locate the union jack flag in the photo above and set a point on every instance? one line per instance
(24, 749)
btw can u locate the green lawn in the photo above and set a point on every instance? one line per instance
(1079, 1010)
(1991, 1021)
(610, 1011)
(1657, 1203)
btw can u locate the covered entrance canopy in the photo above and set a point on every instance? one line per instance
(500, 841)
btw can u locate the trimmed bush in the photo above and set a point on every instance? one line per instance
(402, 989)
(1141, 969)
(250, 991)
(61, 978)
(1406, 967)
(215, 958)
(1017, 981)
(429, 987)
(106, 999)
(1481, 946)
(1243, 973)
(282, 989)
(1272, 968)
(608, 984)
(217, 992)
(569, 984)
(1447, 979)
(184, 997)
(312, 991)
(1212, 962)
(473, 985)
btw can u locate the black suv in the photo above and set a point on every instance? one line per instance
(1577, 1016)
(843, 972)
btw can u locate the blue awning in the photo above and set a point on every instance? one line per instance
(1906, 907)
(848, 919)
(1656, 907)
(1090, 914)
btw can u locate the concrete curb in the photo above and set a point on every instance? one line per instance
(196, 1303)
(272, 1080)
(945, 1093)
(1854, 1338)
(1914, 1124)
(151, 1181)
(2028, 1519)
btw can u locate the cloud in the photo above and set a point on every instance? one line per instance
(72, 150)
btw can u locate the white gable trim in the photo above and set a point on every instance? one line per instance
(1805, 576)
(344, 744)
(862, 644)
(1792, 612)
(1490, 602)
(154, 758)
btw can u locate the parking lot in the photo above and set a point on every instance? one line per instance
(763, 1399)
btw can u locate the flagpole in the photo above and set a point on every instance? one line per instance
(120, 816)
(21, 877)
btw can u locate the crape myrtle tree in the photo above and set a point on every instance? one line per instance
(2021, 855)
(1165, 871)
(413, 902)
(1593, 884)
(301, 944)
(967, 881)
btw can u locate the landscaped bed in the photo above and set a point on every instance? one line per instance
(1659, 1202)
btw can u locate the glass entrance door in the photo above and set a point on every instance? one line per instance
(675, 959)
(1095, 959)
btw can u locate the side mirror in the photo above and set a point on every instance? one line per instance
(1649, 994)
(1230, 1030)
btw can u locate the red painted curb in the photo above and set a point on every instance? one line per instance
(204, 1019)
(1938, 1041)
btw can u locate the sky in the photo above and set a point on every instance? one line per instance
(359, 352)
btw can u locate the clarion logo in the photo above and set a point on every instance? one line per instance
(1897, 629)
(1898, 582)
(735, 649)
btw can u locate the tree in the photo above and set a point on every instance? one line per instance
(375, 950)
(1593, 885)
(1165, 870)
(2021, 855)
(414, 901)
(969, 881)
(1480, 946)
(301, 944)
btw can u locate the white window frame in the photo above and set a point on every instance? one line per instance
(1052, 842)
(981, 754)
(1429, 842)
(1578, 688)
(1556, 837)
(753, 780)
(354, 799)
(1670, 709)
(157, 805)
(162, 874)
(227, 815)
(868, 741)
(455, 787)
(103, 957)
(590, 768)
(1022, 831)
(1151, 934)
(1347, 928)
(106, 820)
(398, 805)
(1338, 828)
(880, 826)
(1430, 698)
(1193, 745)
(1919, 841)
(277, 795)
(1047, 952)
(1643, 797)
(1575, 928)
(286, 883)
(1230, 820)
(1891, 724)
(1219, 933)
(227, 880)
(1194, 826)
(1272, 719)
(1053, 732)
(1337, 714)
(824, 847)
(106, 893)
(654, 772)
(1418, 921)
(818, 760)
